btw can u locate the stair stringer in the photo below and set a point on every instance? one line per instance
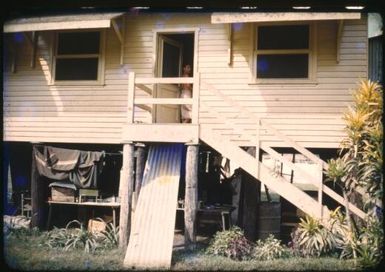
(258, 170)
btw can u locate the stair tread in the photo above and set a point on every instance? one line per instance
(263, 173)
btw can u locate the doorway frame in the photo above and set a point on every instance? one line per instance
(155, 51)
(160, 52)
(177, 30)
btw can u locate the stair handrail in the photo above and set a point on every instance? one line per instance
(267, 126)
(322, 164)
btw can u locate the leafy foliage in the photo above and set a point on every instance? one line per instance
(72, 238)
(270, 249)
(360, 166)
(21, 233)
(362, 149)
(311, 238)
(346, 238)
(371, 243)
(68, 239)
(336, 171)
(110, 236)
(231, 243)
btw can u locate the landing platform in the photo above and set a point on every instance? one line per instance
(169, 133)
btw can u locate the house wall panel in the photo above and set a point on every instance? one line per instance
(35, 110)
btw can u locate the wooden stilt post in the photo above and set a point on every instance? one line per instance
(251, 191)
(125, 194)
(191, 195)
(36, 194)
(139, 170)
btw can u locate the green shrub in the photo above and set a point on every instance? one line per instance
(21, 233)
(371, 243)
(361, 166)
(270, 249)
(71, 238)
(82, 238)
(110, 236)
(232, 244)
(57, 238)
(311, 238)
(346, 239)
(68, 239)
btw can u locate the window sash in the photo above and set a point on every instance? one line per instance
(257, 52)
(275, 67)
(99, 56)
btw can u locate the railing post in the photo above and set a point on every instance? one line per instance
(195, 96)
(320, 188)
(131, 98)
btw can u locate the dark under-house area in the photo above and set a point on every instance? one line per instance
(227, 195)
(61, 179)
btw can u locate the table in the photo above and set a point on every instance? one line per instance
(224, 211)
(113, 205)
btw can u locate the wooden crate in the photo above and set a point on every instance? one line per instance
(96, 226)
(62, 194)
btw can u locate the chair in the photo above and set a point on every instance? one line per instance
(26, 205)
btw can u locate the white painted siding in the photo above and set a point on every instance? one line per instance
(310, 113)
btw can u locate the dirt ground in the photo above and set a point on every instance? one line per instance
(179, 239)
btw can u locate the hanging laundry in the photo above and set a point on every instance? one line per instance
(80, 167)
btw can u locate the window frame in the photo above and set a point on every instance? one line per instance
(100, 56)
(311, 51)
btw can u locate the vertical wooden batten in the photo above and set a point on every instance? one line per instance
(125, 194)
(32, 42)
(120, 34)
(196, 94)
(230, 49)
(339, 37)
(251, 188)
(191, 195)
(36, 194)
(130, 98)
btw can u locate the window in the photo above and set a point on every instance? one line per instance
(283, 53)
(78, 57)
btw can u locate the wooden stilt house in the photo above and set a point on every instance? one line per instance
(262, 80)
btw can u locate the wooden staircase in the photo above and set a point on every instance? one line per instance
(259, 170)
(226, 146)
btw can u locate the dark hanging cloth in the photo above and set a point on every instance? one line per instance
(80, 167)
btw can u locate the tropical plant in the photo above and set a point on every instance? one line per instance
(362, 148)
(359, 168)
(81, 238)
(231, 243)
(371, 243)
(270, 249)
(311, 238)
(72, 238)
(110, 236)
(345, 237)
(21, 233)
(57, 238)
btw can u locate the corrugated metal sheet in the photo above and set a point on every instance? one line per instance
(151, 239)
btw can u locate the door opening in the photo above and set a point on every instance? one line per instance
(174, 50)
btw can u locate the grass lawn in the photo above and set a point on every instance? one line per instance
(28, 252)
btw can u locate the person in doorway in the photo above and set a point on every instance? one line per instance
(186, 92)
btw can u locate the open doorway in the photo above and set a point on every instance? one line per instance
(173, 51)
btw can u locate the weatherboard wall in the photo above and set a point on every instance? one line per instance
(35, 110)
